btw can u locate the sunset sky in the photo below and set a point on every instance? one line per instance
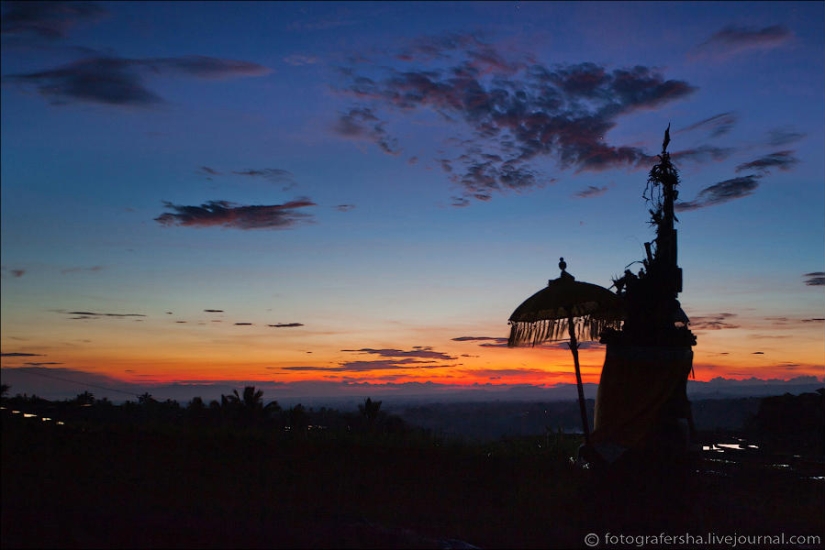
(327, 197)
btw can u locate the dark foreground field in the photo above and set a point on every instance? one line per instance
(67, 487)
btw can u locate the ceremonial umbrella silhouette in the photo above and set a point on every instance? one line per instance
(584, 310)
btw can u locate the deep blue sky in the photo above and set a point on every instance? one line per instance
(361, 193)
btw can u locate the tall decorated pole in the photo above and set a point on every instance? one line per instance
(642, 399)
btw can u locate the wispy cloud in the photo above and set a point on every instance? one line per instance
(361, 123)
(21, 354)
(478, 339)
(213, 310)
(345, 207)
(377, 365)
(716, 126)
(49, 20)
(16, 273)
(209, 171)
(815, 278)
(718, 321)
(229, 215)
(591, 191)
(783, 160)
(419, 357)
(733, 40)
(274, 175)
(783, 136)
(120, 81)
(286, 325)
(298, 60)
(739, 187)
(425, 352)
(703, 154)
(514, 111)
(721, 192)
(97, 315)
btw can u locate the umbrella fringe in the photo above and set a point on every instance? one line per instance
(536, 332)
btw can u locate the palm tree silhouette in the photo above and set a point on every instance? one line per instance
(249, 406)
(252, 399)
(370, 409)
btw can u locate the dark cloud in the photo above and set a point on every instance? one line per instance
(209, 171)
(345, 207)
(120, 81)
(419, 357)
(95, 314)
(721, 192)
(213, 310)
(591, 191)
(243, 324)
(487, 341)
(21, 354)
(275, 175)
(229, 215)
(368, 366)
(783, 136)
(815, 278)
(717, 125)
(784, 160)
(362, 123)
(703, 154)
(417, 351)
(286, 325)
(718, 321)
(516, 113)
(758, 353)
(734, 40)
(80, 315)
(391, 364)
(16, 273)
(494, 344)
(46, 19)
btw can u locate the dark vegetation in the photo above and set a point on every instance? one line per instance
(241, 473)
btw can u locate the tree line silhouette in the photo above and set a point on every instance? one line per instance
(237, 412)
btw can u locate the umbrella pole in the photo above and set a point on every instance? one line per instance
(574, 348)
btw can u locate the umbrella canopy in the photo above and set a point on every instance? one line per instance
(583, 310)
(546, 315)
